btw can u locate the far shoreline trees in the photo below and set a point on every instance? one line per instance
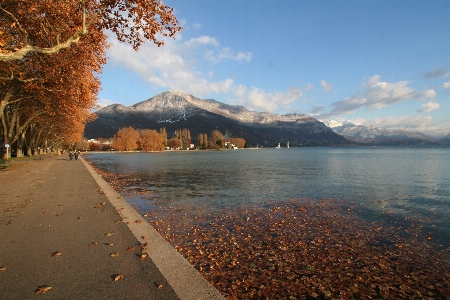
(130, 139)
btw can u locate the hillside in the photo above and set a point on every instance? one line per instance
(176, 110)
(372, 135)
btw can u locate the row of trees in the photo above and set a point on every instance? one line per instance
(50, 54)
(129, 139)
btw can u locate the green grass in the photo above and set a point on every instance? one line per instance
(2, 164)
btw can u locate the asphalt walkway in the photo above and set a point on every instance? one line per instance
(66, 234)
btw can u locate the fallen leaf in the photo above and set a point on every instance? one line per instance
(109, 234)
(42, 290)
(131, 248)
(160, 286)
(2, 268)
(114, 254)
(118, 276)
(57, 253)
(92, 244)
(143, 257)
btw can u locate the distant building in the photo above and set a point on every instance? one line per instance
(94, 141)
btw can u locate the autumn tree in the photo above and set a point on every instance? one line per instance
(174, 143)
(126, 139)
(238, 142)
(200, 141)
(205, 141)
(217, 140)
(151, 140)
(163, 133)
(47, 27)
(184, 136)
(50, 53)
(50, 92)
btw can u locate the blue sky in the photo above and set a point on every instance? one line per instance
(383, 63)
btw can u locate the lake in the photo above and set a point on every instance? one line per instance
(398, 181)
(328, 223)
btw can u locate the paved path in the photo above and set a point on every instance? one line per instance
(62, 226)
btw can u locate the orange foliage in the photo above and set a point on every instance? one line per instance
(151, 140)
(46, 27)
(238, 142)
(46, 99)
(126, 139)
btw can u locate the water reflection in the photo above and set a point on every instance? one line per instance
(385, 180)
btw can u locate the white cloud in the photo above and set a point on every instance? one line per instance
(103, 102)
(381, 94)
(429, 106)
(218, 55)
(377, 95)
(404, 122)
(174, 67)
(167, 67)
(426, 94)
(327, 87)
(203, 40)
(257, 99)
(446, 85)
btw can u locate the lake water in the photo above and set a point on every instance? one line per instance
(398, 181)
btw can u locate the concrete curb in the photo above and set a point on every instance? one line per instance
(184, 279)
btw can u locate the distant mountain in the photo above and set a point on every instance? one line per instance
(176, 110)
(372, 135)
(445, 140)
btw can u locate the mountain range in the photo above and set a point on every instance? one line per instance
(373, 135)
(177, 110)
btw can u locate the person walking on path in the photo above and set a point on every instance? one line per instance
(77, 154)
(71, 155)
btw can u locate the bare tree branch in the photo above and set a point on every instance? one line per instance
(19, 54)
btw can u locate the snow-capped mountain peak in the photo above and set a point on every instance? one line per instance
(176, 102)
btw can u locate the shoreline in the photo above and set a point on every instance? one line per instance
(302, 248)
(62, 236)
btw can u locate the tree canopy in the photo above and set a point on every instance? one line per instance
(50, 54)
(48, 26)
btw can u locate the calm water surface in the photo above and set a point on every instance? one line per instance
(400, 181)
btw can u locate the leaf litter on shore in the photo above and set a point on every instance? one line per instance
(305, 248)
